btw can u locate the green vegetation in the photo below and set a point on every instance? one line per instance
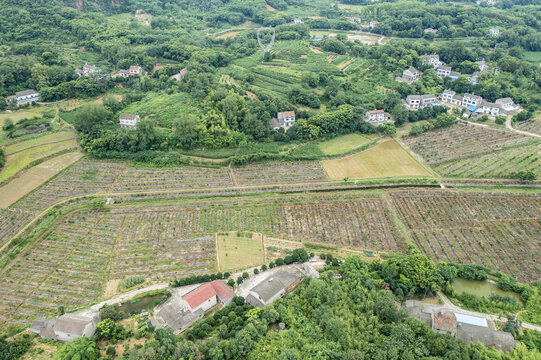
(132, 281)
(343, 144)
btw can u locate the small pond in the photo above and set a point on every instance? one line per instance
(138, 305)
(480, 288)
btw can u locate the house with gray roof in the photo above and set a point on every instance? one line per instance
(67, 327)
(275, 286)
(410, 75)
(23, 97)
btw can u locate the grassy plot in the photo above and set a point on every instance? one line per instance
(238, 252)
(533, 56)
(387, 159)
(34, 177)
(23, 114)
(164, 108)
(343, 144)
(19, 160)
(46, 139)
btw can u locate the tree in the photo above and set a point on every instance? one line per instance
(231, 282)
(245, 275)
(400, 114)
(8, 125)
(79, 349)
(97, 204)
(90, 118)
(240, 280)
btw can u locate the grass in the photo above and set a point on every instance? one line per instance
(387, 159)
(20, 114)
(343, 144)
(46, 139)
(164, 108)
(18, 161)
(237, 253)
(533, 56)
(211, 153)
(34, 177)
(307, 152)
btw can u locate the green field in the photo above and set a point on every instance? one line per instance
(343, 144)
(42, 140)
(18, 161)
(23, 114)
(237, 253)
(533, 56)
(164, 108)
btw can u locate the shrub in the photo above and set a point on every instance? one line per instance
(132, 281)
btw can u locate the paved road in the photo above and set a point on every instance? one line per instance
(453, 307)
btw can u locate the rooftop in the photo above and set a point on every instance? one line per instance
(471, 320)
(128, 116)
(273, 284)
(444, 321)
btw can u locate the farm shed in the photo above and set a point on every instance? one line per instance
(274, 286)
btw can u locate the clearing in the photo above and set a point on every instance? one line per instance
(239, 252)
(42, 140)
(34, 177)
(226, 35)
(343, 144)
(387, 159)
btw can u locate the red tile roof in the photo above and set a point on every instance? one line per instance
(289, 113)
(207, 291)
(223, 291)
(375, 111)
(200, 295)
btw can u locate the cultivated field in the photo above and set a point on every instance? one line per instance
(387, 159)
(34, 177)
(532, 126)
(72, 263)
(239, 252)
(17, 160)
(474, 151)
(498, 231)
(343, 144)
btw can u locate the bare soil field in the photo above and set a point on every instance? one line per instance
(34, 177)
(387, 159)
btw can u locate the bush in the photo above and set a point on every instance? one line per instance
(245, 275)
(279, 262)
(132, 281)
(231, 282)
(500, 120)
(256, 271)
(240, 280)
(263, 267)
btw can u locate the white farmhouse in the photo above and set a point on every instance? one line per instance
(128, 120)
(377, 117)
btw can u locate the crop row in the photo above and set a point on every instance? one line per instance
(532, 126)
(499, 164)
(462, 141)
(11, 221)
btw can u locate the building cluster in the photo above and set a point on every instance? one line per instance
(283, 120)
(476, 105)
(416, 102)
(23, 97)
(134, 70)
(67, 327)
(377, 117)
(372, 24)
(446, 71)
(87, 70)
(471, 329)
(179, 314)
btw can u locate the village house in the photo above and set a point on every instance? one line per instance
(471, 329)
(410, 75)
(283, 120)
(66, 328)
(414, 102)
(120, 74)
(128, 121)
(505, 103)
(482, 65)
(471, 99)
(87, 70)
(430, 30)
(472, 78)
(23, 97)
(443, 71)
(489, 108)
(454, 75)
(296, 21)
(134, 70)
(180, 76)
(449, 96)
(179, 313)
(377, 117)
(275, 286)
(432, 59)
(494, 32)
(372, 24)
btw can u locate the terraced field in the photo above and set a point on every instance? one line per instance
(476, 152)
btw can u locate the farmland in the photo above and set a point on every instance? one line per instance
(343, 144)
(532, 126)
(472, 151)
(497, 231)
(237, 251)
(72, 263)
(383, 160)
